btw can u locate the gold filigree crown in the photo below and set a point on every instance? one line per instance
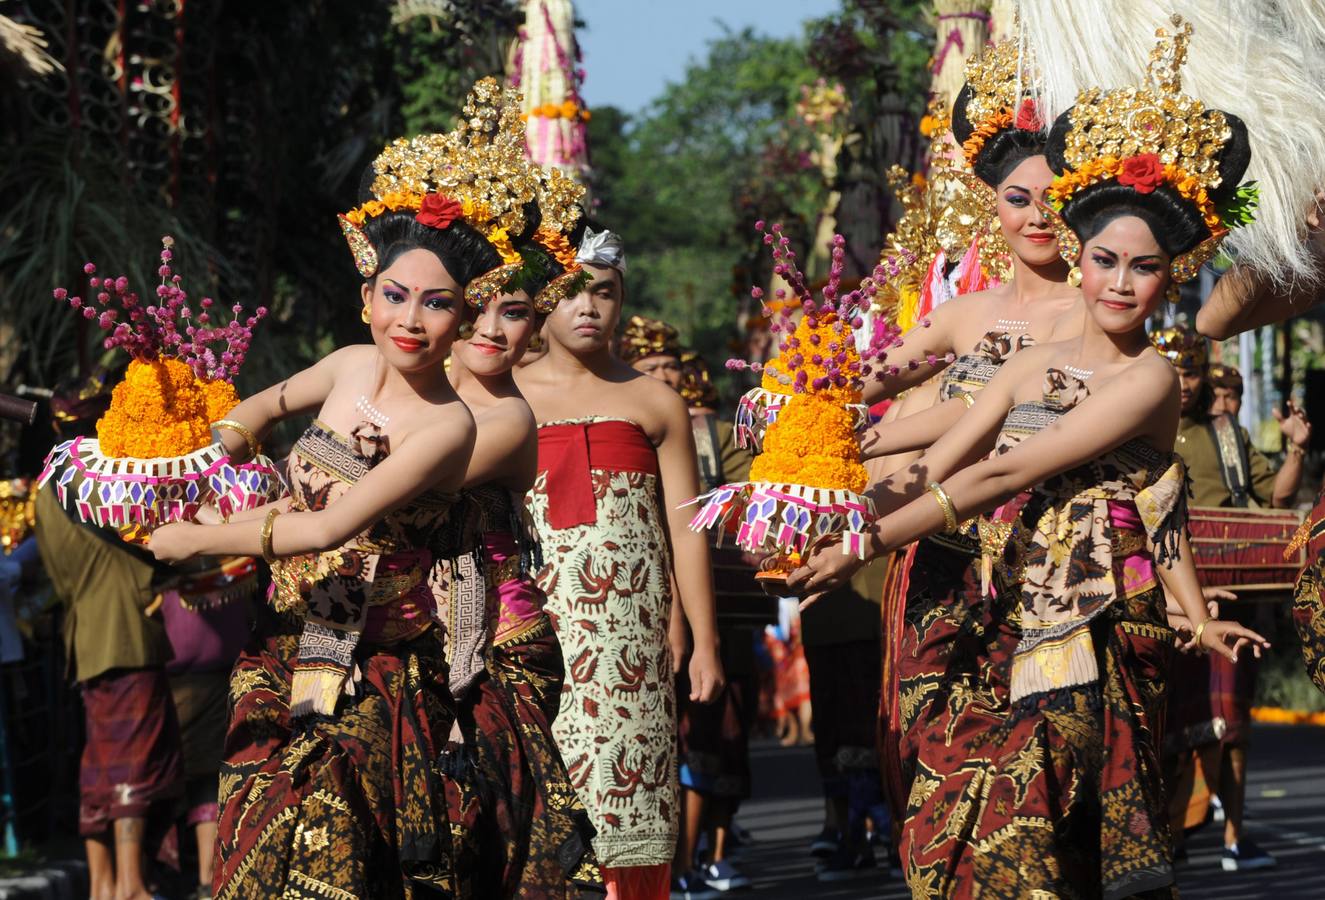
(559, 200)
(1181, 346)
(482, 161)
(1149, 136)
(477, 174)
(999, 79)
(1153, 118)
(1002, 83)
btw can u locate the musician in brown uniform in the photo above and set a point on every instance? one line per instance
(1209, 712)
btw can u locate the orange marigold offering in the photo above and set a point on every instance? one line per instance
(153, 459)
(807, 482)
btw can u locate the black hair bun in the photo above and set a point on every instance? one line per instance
(1003, 151)
(1055, 146)
(464, 252)
(1233, 160)
(961, 125)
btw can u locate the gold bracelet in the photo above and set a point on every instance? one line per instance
(968, 398)
(1295, 449)
(945, 503)
(267, 553)
(242, 430)
(1200, 630)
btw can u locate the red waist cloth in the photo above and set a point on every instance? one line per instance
(569, 452)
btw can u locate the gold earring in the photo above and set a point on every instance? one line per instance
(366, 314)
(1074, 276)
(466, 330)
(1174, 292)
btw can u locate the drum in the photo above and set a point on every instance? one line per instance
(1244, 549)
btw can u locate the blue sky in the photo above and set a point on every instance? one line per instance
(632, 48)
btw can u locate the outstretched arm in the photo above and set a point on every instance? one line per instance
(302, 392)
(690, 550)
(1245, 299)
(914, 432)
(1126, 407)
(923, 341)
(433, 456)
(1178, 577)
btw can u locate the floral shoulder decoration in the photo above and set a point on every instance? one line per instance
(807, 482)
(153, 460)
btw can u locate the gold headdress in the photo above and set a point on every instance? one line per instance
(477, 174)
(697, 388)
(1224, 376)
(1181, 346)
(1001, 84)
(1153, 135)
(559, 199)
(644, 337)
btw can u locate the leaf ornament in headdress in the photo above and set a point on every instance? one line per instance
(1151, 136)
(477, 174)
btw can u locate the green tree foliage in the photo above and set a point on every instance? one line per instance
(677, 180)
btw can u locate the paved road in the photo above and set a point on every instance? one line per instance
(1286, 805)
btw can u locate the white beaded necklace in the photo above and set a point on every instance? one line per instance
(372, 414)
(1078, 374)
(1013, 325)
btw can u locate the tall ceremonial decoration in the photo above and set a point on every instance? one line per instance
(546, 70)
(153, 460)
(961, 31)
(806, 483)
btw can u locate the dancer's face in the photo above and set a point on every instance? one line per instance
(1024, 227)
(586, 322)
(665, 368)
(501, 335)
(1124, 275)
(416, 307)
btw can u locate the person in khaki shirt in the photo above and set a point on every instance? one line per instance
(131, 772)
(1210, 705)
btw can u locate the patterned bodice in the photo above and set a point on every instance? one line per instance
(381, 567)
(970, 372)
(1079, 541)
(381, 587)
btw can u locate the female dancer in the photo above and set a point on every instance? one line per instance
(936, 632)
(1066, 794)
(331, 784)
(535, 834)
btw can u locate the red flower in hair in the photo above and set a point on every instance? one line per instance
(1028, 116)
(1142, 173)
(438, 211)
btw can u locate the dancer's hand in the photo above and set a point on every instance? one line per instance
(174, 542)
(824, 568)
(706, 677)
(1227, 638)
